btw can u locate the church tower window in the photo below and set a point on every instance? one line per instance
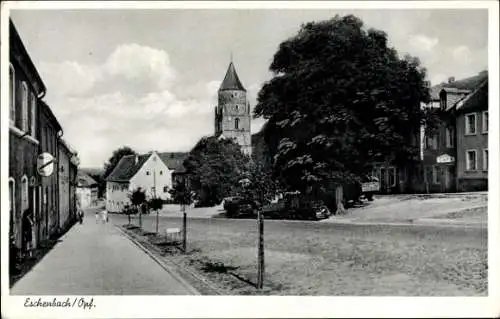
(236, 124)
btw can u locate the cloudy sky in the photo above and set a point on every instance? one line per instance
(149, 78)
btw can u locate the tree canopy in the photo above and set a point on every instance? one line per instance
(110, 165)
(340, 100)
(214, 167)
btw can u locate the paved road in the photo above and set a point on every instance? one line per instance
(96, 259)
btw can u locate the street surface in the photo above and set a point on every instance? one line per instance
(96, 259)
(317, 258)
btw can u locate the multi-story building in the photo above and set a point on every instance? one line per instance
(67, 165)
(50, 132)
(232, 114)
(26, 88)
(455, 156)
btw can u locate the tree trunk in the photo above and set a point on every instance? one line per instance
(184, 228)
(339, 198)
(260, 269)
(140, 217)
(157, 222)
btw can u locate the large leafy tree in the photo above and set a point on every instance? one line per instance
(110, 165)
(214, 167)
(340, 99)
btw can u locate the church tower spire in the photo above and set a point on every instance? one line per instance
(232, 114)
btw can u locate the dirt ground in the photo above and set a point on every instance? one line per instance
(311, 258)
(409, 208)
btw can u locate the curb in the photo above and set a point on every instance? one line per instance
(416, 223)
(162, 264)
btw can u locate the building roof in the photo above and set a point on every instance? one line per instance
(231, 80)
(466, 85)
(174, 161)
(85, 180)
(127, 166)
(478, 97)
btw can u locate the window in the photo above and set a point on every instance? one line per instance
(431, 142)
(470, 124)
(161, 172)
(147, 172)
(471, 160)
(24, 194)
(392, 177)
(24, 106)
(12, 202)
(485, 159)
(435, 174)
(450, 137)
(236, 124)
(443, 100)
(32, 115)
(165, 189)
(485, 122)
(12, 92)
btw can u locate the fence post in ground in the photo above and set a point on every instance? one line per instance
(184, 228)
(260, 269)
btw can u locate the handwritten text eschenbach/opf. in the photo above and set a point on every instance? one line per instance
(60, 303)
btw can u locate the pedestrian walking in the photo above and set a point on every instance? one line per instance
(105, 216)
(27, 227)
(80, 216)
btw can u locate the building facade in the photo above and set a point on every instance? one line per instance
(455, 155)
(472, 141)
(26, 88)
(153, 172)
(50, 132)
(86, 191)
(67, 166)
(232, 114)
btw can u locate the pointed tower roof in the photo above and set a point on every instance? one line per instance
(231, 80)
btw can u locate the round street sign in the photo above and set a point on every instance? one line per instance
(45, 164)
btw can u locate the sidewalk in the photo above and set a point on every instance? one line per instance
(96, 259)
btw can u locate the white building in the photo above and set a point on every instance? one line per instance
(86, 190)
(151, 172)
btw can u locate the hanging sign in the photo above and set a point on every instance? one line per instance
(45, 164)
(445, 158)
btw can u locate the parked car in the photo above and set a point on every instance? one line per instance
(238, 207)
(369, 186)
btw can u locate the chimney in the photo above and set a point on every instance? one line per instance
(136, 159)
(451, 79)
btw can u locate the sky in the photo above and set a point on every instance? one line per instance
(148, 79)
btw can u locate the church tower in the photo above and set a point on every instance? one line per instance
(232, 114)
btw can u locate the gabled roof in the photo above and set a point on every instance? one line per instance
(174, 160)
(478, 97)
(85, 180)
(468, 84)
(127, 166)
(231, 80)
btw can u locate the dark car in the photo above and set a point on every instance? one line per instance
(238, 207)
